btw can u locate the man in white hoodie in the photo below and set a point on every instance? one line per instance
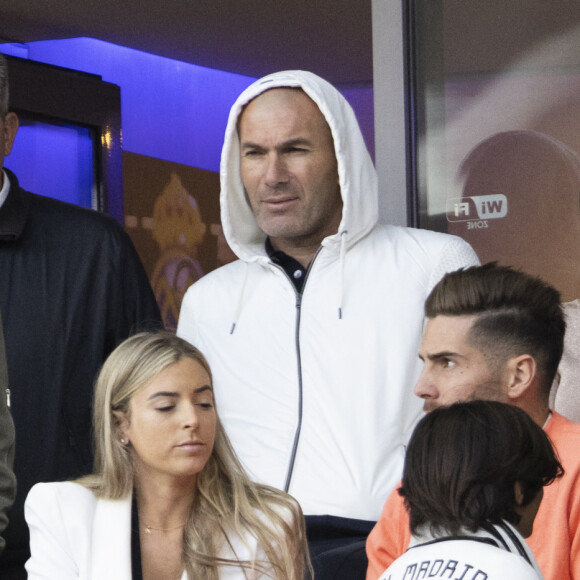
(312, 334)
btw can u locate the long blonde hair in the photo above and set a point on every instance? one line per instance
(225, 502)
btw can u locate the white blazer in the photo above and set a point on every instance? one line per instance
(75, 536)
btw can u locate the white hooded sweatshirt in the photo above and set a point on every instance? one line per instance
(316, 391)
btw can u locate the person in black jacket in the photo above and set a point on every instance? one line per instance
(7, 478)
(73, 288)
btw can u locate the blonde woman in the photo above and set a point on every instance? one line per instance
(168, 499)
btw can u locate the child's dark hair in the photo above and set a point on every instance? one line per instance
(462, 463)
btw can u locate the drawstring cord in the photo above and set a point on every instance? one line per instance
(342, 259)
(240, 299)
(341, 271)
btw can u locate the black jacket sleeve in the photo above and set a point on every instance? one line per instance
(7, 478)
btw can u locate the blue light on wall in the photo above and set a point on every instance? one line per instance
(171, 110)
(55, 160)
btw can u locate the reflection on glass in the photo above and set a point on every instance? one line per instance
(54, 159)
(497, 127)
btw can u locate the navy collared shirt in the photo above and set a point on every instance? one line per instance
(295, 270)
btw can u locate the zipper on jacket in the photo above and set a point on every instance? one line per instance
(290, 470)
(298, 306)
(8, 398)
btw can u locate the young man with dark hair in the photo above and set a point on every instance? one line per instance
(497, 334)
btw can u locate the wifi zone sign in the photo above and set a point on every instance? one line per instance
(477, 209)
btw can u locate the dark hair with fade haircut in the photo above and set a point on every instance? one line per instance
(462, 463)
(516, 314)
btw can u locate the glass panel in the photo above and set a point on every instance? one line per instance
(54, 159)
(496, 129)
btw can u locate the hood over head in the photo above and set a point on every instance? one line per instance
(356, 172)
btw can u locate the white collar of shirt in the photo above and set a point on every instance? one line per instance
(510, 538)
(5, 188)
(547, 420)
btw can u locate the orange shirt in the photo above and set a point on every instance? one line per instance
(556, 538)
(390, 537)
